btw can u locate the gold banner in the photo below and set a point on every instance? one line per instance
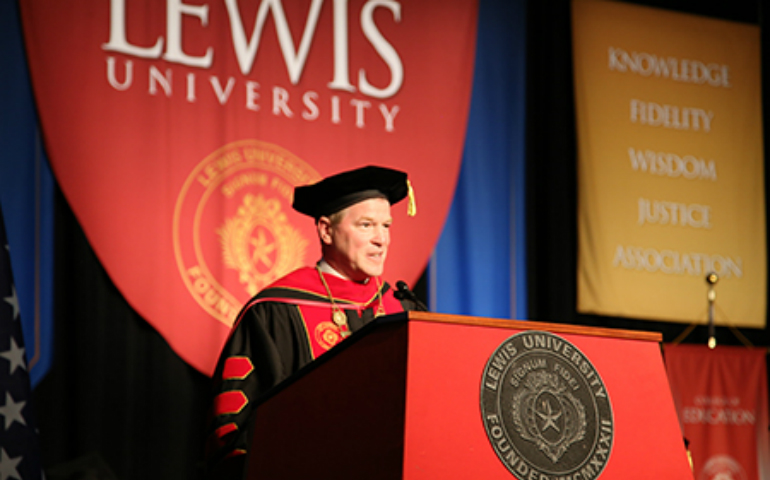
(670, 159)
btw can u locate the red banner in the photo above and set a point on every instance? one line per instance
(178, 130)
(721, 400)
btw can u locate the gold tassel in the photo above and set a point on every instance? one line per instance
(411, 209)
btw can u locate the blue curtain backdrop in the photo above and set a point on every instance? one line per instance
(26, 195)
(479, 265)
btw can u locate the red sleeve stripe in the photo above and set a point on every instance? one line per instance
(225, 429)
(237, 368)
(227, 403)
(236, 452)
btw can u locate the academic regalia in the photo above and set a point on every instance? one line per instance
(279, 331)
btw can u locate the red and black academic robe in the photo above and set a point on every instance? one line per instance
(282, 329)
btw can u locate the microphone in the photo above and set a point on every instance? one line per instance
(403, 293)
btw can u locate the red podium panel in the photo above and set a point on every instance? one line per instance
(402, 399)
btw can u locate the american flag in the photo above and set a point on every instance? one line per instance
(19, 448)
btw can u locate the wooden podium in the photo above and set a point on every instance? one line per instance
(404, 398)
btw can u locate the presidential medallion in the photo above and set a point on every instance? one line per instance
(339, 318)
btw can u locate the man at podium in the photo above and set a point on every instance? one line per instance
(302, 315)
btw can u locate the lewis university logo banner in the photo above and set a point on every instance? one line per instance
(721, 400)
(177, 131)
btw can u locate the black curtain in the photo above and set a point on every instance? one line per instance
(118, 402)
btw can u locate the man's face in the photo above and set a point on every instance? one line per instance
(358, 244)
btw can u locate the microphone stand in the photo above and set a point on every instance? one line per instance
(712, 279)
(404, 293)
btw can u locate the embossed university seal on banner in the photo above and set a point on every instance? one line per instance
(233, 231)
(545, 409)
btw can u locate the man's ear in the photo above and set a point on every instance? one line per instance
(324, 226)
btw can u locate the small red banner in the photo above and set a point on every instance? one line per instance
(721, 400)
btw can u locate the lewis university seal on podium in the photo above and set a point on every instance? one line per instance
(546, 410)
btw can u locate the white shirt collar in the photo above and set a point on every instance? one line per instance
(324, 266)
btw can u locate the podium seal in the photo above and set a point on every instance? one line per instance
(545, 409)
